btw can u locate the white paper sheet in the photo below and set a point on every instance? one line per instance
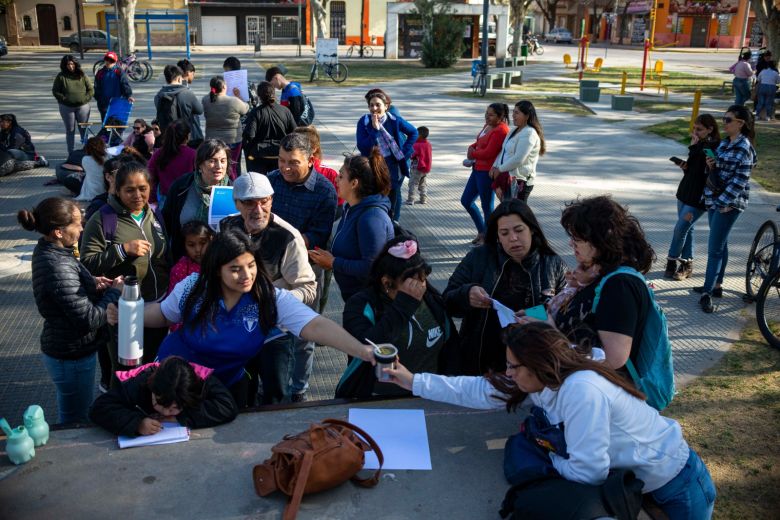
(401, 435)
(171, 432)
(237, 79)
(506, 316)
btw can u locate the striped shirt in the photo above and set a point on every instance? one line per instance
(735, 161)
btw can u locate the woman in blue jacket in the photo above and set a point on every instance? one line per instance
(364, 229)
(394, 136)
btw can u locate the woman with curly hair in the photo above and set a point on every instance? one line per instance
(73, 91)
(603, 233)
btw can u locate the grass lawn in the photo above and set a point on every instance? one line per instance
(541, 101)
(678, 82)
(730, 416)
(366, 72)
(766, 172)
(4, 66)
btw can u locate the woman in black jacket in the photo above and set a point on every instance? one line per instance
(68, 297)
(690, 200)
(517, 267)
(174, 390)
(400, 307)
(265, 127)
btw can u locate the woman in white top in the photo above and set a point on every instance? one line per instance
(514, 169)
(223, 119)
(606, 423)
(768, 79)
(92, 163)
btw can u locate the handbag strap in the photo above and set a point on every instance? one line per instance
(374, 479)
(291, 511)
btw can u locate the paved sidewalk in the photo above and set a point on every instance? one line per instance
(587, 156)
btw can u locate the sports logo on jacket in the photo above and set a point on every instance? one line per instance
(250, 323)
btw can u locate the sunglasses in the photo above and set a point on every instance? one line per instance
(727, 120)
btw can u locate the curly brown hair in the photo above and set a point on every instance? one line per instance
(546, 352)
(96, 148)
(612, 230)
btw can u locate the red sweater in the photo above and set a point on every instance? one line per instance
(488, 147)
(422, 152)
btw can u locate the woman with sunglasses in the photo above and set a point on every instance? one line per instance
(141, 138)
(726, 196)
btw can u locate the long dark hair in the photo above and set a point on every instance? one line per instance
(217, 83)
(528, 108)
(501, 110)
(69, 58)
(547, 353)
(50, 214)
(96, 148)
(521, 209)
(177, 134)
(371, 172)
(175, 381)
(615, 233)
(748, 125)
(202, 303)
(708, 122)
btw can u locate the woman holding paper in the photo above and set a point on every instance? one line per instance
(515, 266)
(606, 423)
(223, 119)
(189, 196)
(231, 309)
(125, 238)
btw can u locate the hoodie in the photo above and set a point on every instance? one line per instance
(16, 138)
(189, 107)
(362, 233)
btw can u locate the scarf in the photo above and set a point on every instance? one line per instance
(204, 191)
(386, 142)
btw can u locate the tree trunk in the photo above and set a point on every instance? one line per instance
(769, 19)
(517, 12)
(549, 10)
(126, 29)
(318, 7)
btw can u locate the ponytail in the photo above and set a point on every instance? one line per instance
(381, 171)
(50, 214)
(217, 83)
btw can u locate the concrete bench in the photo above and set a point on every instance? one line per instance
(496, 80)
(623, 103)
(590, 94)
(511, 61)
(516, 77)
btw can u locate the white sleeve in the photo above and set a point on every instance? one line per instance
(468, 391)
(527, 140)
(292, 314)
(585, 411)
(171, 305)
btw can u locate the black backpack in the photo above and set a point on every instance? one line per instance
(307, 116)
(168, 109)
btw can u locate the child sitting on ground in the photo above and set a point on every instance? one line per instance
(575, 281)
(197, 237)
(173, 390)
(421, 166)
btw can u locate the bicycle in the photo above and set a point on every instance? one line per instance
(338, 72)
(367, 52)
(479, 83)
(764, 266)
(138, 71)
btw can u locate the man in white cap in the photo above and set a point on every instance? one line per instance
(284, 256)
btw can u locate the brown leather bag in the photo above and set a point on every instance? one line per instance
(322, 457)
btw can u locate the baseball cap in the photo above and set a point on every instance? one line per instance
(252, 185)
(110, 55)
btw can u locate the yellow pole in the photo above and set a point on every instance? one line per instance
(587, 46)
(623, 83)
(695, 111)
(652, 22)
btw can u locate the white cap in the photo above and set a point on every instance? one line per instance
(252, 185)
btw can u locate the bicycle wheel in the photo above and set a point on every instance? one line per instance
(350, 51)
(482, 85)
(539, 50)
(313, 73)
(768, 309)
(761, 258)
(135, 71)
(148, 71)
(338, 72)
(368, 52)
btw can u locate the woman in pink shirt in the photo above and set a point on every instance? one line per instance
(172, 160)
(742, 74)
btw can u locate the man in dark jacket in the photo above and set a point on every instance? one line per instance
(111, 81)
(265, 127)
(292, 94)
(176, 101)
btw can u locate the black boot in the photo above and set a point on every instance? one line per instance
(706, 303)
(671, 268)
(684, 271)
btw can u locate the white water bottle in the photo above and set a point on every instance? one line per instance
(131, 324)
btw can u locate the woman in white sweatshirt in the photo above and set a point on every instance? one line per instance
(606, 422)
(514, 169)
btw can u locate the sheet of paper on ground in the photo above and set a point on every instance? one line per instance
(401, 435)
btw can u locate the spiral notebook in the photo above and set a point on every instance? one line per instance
(171, 432)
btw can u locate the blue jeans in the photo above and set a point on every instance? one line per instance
(766, 100)
(741, 90)
(273, 367)
(478, 184)
(682, 239)
(303, 352)
(690, 495)
(396, 188)
(718, 246)
(75, 382)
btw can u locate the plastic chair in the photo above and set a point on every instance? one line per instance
(114, 124)
(596, 65)
(567, 61)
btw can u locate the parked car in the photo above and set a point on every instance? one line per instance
(90, 39)
(3, 47)
(558, 35)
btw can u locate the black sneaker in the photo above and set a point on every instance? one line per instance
(706, 303)
(298, 398)
(716, 292)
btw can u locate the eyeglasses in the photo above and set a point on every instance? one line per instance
(510, 366)
(254, 202)
(727, 120)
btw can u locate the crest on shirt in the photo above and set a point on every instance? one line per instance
(250, 323)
